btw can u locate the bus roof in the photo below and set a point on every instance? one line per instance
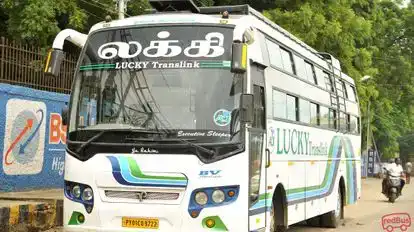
(213, 15)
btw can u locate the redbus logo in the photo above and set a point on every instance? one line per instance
(57, 132)
(393, 221)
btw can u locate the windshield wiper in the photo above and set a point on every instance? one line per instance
(97, 136)
(210, 152)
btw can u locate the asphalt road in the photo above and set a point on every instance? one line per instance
(366, 215)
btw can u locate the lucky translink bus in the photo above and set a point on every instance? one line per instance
(205, 119)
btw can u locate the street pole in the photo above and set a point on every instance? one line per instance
(368, 122)
(121, 8)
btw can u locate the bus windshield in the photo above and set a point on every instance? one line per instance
(175, 79)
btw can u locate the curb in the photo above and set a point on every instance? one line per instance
(31, 217)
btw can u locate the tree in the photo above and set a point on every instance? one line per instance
(36, 21)
(369, 38)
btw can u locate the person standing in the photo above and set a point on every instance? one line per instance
(408, 170)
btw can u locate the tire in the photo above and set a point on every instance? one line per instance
(392, 197)
(273, 227)
(333, 218)
(314, 222)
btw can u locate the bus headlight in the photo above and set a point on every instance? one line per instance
(80, 193)
(218, 196)
(76, 191)
(201, 198)
(87, 194)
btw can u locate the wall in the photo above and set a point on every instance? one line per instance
(32, 139)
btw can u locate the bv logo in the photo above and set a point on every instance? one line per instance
(210, 174)
(394, 221)
(24, 138)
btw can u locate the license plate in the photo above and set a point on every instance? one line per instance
(141, 223)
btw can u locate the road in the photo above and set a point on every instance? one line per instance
(365, 216)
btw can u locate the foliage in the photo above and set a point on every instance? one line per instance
(373, 38)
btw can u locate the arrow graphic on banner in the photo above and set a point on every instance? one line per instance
(27, 127)
(24, 145)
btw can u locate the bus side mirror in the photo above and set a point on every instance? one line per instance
(239, 58)
(54, 61)
(64, 114)
(246, 113)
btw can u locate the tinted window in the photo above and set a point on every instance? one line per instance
(324, 117)
(344, 88)
(259, 107)
(340, 89)
(287, 60)
(343, 121)
(274, 54)
(291, 103)
(351, 92)
(329, 82)
(314, 108)
(304, 109)
(332, 119)
(279, 104)
(310, 73)
(354, 125)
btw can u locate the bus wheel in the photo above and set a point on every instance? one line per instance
(273, 227)
(333, 218)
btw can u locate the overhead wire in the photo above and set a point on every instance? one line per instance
(102, 6)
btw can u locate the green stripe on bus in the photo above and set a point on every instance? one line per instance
(327, 171)
(136, 171)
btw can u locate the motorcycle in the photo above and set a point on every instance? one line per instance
(392, 191)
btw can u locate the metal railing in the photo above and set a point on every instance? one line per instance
(23, 65)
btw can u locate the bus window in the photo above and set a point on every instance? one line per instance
(279, 104)
(354, 125)
(329, 82)
(314, 114)
(324, 115)
(259, 107)
(274, 54)
(287, 59)
(343, 122)
(292, 108)
(345, 90)
(304, 111)
(351, 93)
(332, 119)
(310, 72)
(256, 143)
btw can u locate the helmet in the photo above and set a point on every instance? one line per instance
(391, 161)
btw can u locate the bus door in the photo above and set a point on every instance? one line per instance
(257, 154)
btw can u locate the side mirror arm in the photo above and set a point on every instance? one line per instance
(65, 115)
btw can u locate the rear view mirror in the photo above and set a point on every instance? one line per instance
(246, 113)
(239, 58)
(54, 61)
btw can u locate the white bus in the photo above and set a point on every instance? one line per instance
(205, 119)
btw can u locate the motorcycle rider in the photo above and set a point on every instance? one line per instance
(400, 171)
(386, 167)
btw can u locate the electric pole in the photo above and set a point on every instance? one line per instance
(122, 4)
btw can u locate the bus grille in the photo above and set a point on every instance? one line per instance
(136, 195)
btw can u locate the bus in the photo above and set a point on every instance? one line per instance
(205, 119)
